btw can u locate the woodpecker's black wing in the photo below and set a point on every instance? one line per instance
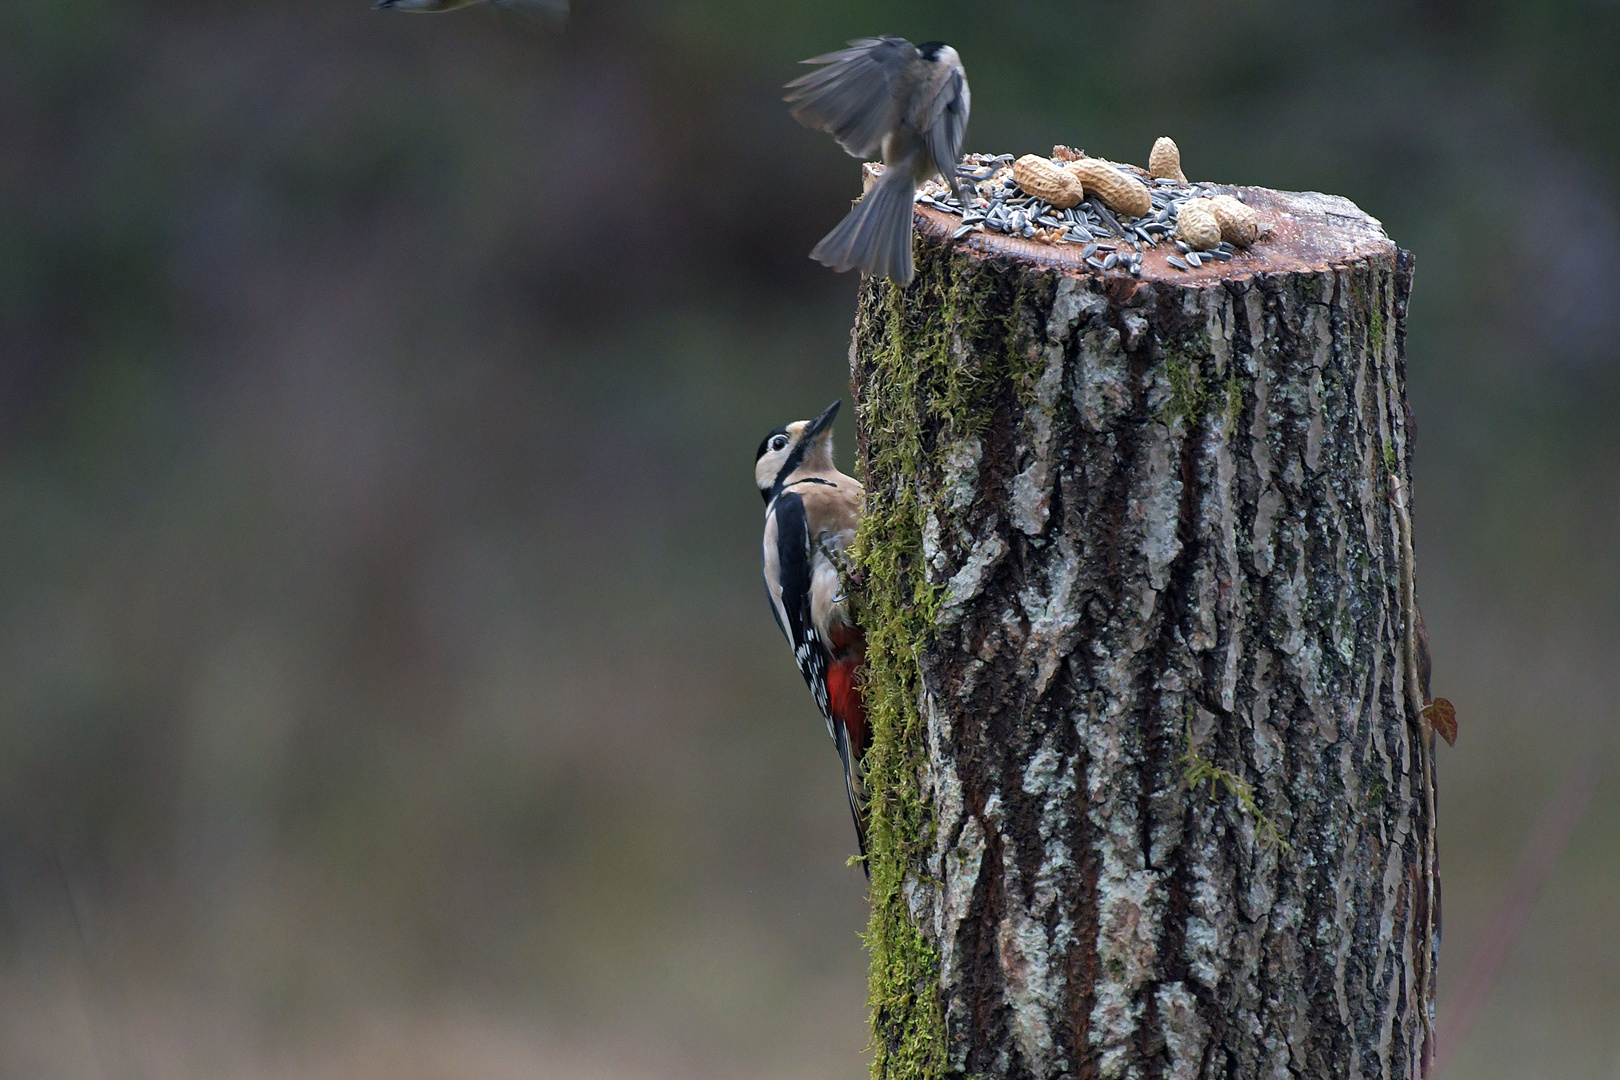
(852, 96)
(791, 602)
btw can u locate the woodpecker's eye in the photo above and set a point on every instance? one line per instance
(779, 443)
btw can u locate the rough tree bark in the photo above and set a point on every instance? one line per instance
(1150, 793)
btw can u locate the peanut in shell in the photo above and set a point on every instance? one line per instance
(1239, 225)
(1123, 194)
(1165, 161)
(1196, 224)
(1048, 181)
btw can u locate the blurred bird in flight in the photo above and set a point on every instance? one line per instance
(909, 102)
(554, 12)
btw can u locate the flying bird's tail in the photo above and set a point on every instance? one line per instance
(875, 236)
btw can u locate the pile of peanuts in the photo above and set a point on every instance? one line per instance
(1072, 197)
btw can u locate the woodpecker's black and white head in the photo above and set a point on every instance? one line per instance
(804, 446)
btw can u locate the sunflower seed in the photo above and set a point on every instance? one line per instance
(963, 231)
(1109, 220)
(1183, 247)
(1177, 263)
(1094, 261)
(1111, 262)
(1193, 259)
(1223, 256)
(1091, 249)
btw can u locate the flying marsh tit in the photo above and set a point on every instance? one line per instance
(909, 102)
(553, 11)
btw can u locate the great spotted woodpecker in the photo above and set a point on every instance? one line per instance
(811, 510)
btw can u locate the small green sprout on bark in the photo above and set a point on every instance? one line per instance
(1198, 770)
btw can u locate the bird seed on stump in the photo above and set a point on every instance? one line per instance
(1150, 792)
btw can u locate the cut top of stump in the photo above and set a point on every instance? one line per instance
(1310, 232)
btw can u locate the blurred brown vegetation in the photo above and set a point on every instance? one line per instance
(387, 687)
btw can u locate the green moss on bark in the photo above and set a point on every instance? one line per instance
(936, 360)
(1188, 393)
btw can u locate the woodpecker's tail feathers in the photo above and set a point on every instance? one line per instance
(875, 236)
(855, 788)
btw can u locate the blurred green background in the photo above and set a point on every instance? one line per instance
(387, 688)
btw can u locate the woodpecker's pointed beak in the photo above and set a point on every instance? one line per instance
(822, 422)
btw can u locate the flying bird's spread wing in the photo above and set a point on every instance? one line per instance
(947, 127)
(852, 95)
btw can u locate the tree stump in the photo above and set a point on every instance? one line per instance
(1150, 793)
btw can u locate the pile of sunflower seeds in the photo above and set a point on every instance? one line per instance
(1112, 241)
